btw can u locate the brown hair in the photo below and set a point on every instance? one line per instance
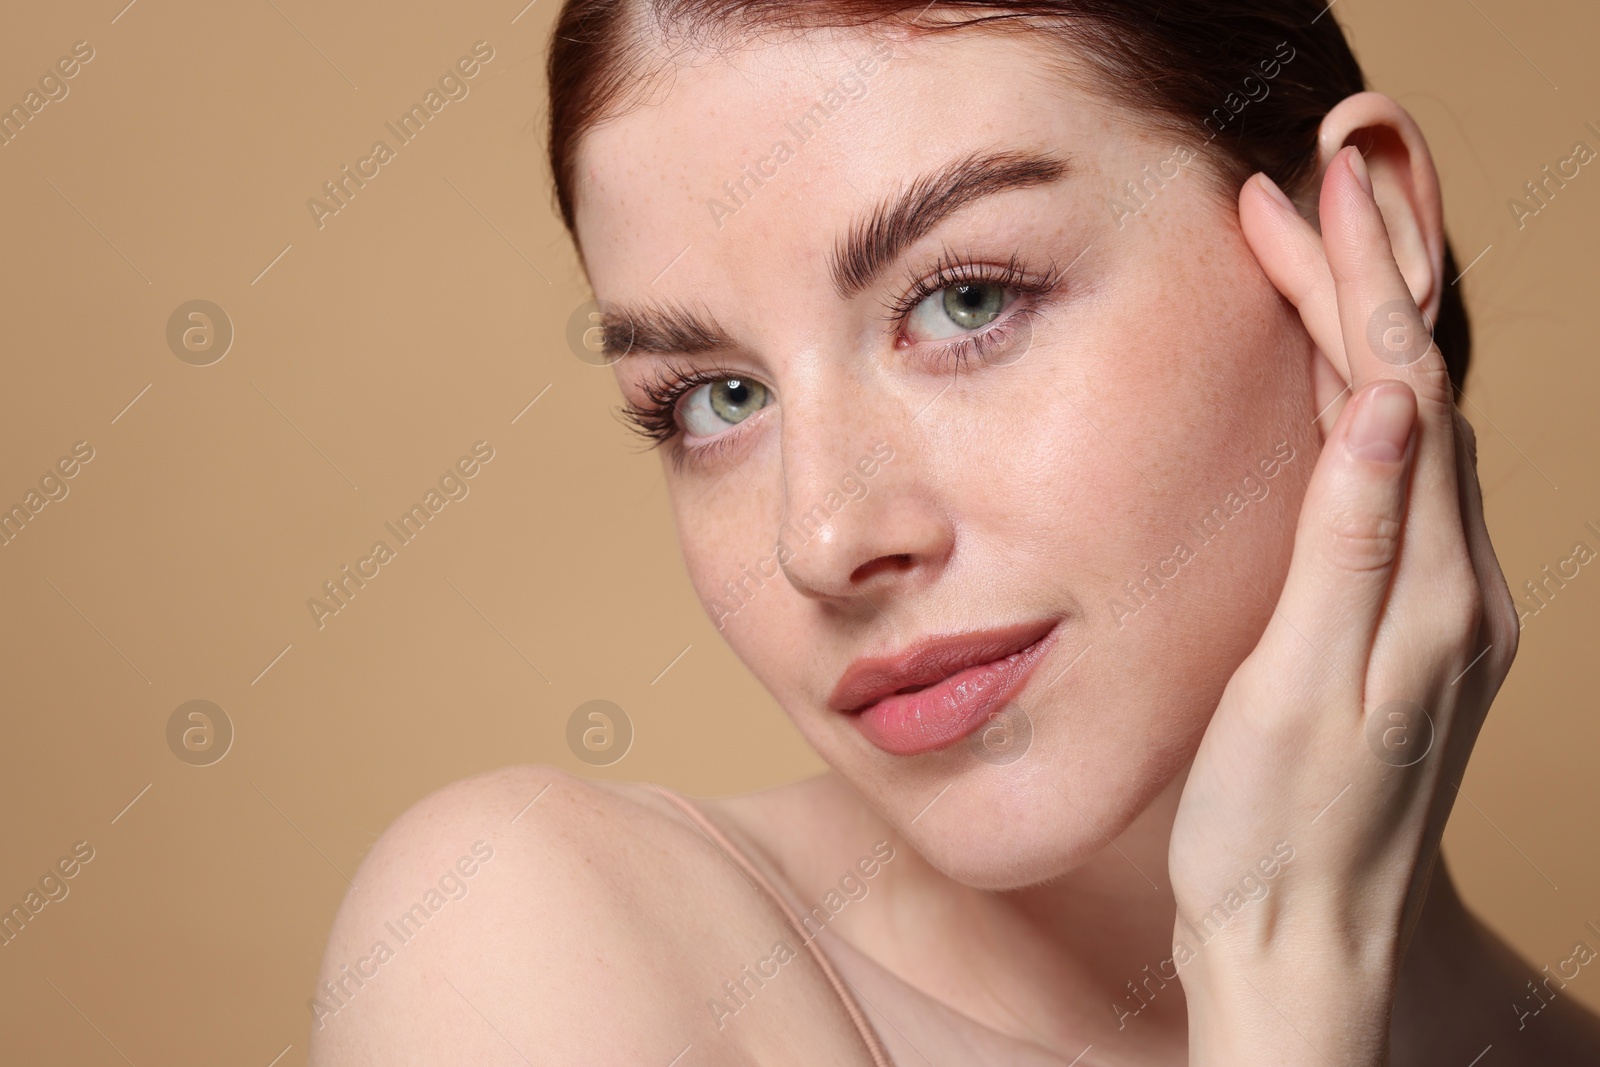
(1184, 66)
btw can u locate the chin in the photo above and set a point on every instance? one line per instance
(1020, 824)
(1012, 837)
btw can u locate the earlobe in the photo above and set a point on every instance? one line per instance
(1404, 182)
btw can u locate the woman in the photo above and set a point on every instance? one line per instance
(1054, 427)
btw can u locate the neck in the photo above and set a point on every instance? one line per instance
(1087, 957)
(1084, 958)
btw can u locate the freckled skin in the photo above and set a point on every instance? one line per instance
(1165, 385)
(1164, 372)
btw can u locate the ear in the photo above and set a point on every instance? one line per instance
(1404, 183)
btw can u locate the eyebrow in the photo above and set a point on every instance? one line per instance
(870, 244)
(662, 328)
(879, 238)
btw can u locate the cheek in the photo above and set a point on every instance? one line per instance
(1130, 483)
(728, 534)
(1202, 551)
(1127, 460)
(722, 529)
(1114, 444)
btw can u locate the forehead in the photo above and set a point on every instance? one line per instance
(760, 154)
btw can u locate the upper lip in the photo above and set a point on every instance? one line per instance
(930, 660)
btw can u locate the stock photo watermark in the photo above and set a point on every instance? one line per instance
(1137, 194)
(1254, 90)
(587, 336)
(1251, 489)
(53, 889)
(1399, 333)
(796, 534)
(199, 733)
(199, 332)
(740, 991)
(336, 994)
(1004, 738)
(1537, 594)
(53, 488)
(851, 87)
(52, 89)
(452, 486)
(1540, 193)
(1400, 732)
(1251, 889)
(1582, 955)
(453, 85)
(1134, 197)
(599, 733)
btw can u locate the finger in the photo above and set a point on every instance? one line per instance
(1291, 254)
(1385, 337)
(1385, 333)
(1499, 626)
(1348, 539)
(1478, 611)
(1331, 391)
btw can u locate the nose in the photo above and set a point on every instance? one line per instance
(861, 525)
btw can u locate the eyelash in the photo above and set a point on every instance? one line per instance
(655, 419)
(952, 271)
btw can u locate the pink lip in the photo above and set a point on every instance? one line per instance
(966, 678)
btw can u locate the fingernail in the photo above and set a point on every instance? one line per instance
(1358, 164)
(1382, 423)
(1271, 188)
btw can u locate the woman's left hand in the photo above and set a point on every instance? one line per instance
(1342, 736)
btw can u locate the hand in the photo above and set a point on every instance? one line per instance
(1342, 736)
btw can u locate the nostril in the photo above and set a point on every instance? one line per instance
(896, 562)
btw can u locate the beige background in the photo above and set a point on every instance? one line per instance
(371, 353)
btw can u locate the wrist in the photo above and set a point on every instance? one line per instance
(1296, 997)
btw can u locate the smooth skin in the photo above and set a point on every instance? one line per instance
(1171, 751)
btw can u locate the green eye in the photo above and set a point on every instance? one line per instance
(712, 408)
(957, 309)
(973, 306)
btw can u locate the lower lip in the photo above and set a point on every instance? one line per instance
(908, 724)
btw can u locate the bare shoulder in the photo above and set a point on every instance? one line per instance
(526, 913)
(507, 909)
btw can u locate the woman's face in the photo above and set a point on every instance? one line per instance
(944, 383)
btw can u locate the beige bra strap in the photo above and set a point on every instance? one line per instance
(880, 1058)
